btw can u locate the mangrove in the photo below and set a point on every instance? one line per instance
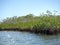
(47, 23)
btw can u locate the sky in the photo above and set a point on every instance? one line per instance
(10, 8)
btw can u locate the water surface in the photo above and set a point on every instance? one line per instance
(25, 38)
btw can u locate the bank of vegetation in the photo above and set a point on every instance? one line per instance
(46, 23)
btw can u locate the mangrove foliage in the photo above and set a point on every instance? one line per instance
(48, 21)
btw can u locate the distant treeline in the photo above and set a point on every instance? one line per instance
(47, 21)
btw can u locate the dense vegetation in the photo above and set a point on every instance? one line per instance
(43, 22)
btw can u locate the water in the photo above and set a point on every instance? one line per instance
(25, 38)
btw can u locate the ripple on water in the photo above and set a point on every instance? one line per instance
(24, 38)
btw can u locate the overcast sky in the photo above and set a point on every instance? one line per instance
(9, 8)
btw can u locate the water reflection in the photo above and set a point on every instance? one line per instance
(25, 38)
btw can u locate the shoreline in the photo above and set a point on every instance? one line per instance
(45, 32)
